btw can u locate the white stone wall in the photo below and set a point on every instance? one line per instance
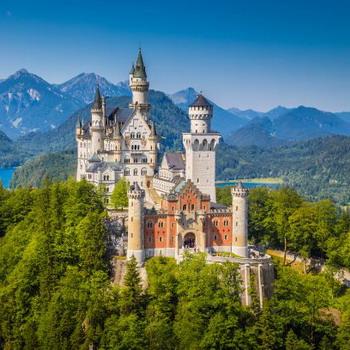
(200, 161)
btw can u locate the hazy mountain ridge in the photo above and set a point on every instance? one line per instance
(281, 126)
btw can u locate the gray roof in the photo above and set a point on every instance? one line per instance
(102, 166)
(121, 114)
(175, 160)
(140, 70)
(201, 101)
(98, 99)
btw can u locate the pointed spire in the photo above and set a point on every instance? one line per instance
(78, 123)
(98, 99)
(140, 69)
(117, 129)
(132, 70)
(153, 129)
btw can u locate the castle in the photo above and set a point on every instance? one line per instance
(172, 207)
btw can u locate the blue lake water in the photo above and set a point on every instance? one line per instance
(248, 184)
(6, 175)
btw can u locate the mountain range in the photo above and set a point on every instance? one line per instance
(29, 104)
(282, 125)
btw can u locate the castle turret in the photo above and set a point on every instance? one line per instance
(240, 220)
(97, 123)
(135, 223)
(139, 84)
(200, 113)
(200, 146)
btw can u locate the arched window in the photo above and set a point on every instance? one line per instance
(126, 172)
(143, 171)
(135, 172)
(184, 207)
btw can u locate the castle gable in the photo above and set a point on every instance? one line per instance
(134, 125)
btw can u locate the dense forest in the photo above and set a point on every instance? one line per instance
(55, 289)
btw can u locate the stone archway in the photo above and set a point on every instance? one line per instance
(189, 241)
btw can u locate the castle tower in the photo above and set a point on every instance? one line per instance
(240, 220)
(135, 223)
(139, 85)
(97, 123)
(200, 147)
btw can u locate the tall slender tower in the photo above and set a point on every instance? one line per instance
(200, 147)
(139, 86)
(240, 220)
(97, 124)
(135, 223)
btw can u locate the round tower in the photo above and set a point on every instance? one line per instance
(139, 84)
(135, 223)
(97, 123)
(200, 113)
(153, 146)
(240, 220)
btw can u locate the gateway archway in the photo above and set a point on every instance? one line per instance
(189, 241)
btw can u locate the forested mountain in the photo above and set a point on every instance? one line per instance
(29, 103)
(302, 123)
(317, 168)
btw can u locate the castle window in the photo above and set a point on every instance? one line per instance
(126, 160)
(192, 207)
(143, 171)
(225, 237)
(160, 239)
(215, 237)
(131, 235)
(197, 180)
(135, 172)
(132, 135)
(236, 207)
(236, 239)
(89, 176)
(149, 224)
(131, 219)
(184, 207)
(126, 172)
(236, 223)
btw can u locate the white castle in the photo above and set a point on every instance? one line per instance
(172, 207)
(124, 143)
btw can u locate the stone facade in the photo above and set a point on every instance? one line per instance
(119, 143)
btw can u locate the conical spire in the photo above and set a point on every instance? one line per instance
(140, 69)
(78, 123)
(132, 70)
(153, 129)
(98, 99)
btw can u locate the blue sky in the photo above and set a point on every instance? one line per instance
(248, 54)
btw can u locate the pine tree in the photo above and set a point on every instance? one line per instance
(119, 196)
(131, 298)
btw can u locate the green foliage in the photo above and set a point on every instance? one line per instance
(281, 219)
(56, 293)
(119, 196)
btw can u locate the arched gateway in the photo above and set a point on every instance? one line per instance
(189, 241)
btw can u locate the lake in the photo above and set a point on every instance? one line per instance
(6, 175)
(248, 184)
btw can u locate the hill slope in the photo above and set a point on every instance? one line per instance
(318, 168)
